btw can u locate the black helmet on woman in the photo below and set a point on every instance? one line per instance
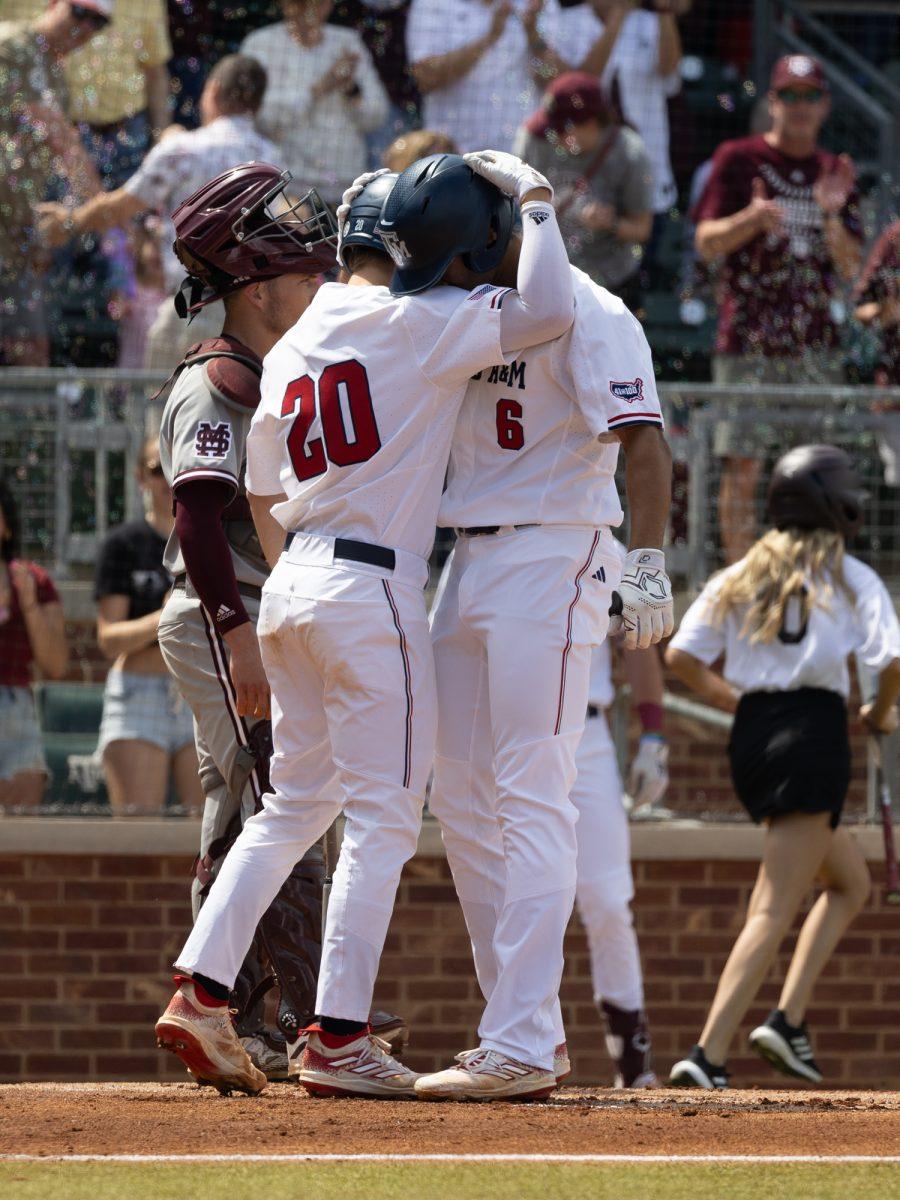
(816, 487)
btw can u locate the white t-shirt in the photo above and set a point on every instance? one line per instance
(359, 401)
(535, 440)
(182, 162)
(483, 109)
(814, 657)
(643, 92)
(322, 143)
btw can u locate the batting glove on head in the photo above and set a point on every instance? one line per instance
(356, 188)
(649, 774)
(507, 172)
(648, 613)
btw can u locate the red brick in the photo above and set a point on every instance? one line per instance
(59, 964)
(129, 915)
(57, 1064)
(30, 939)
(65, 915)
(105, 1038)
(60, 866)
(12, 868)
(11, 1066)
(24, 1039)
(104, 890)
(127, 1014)
(129, 1065)
(132, 867)
(30, 889)
(95, 939)
(69, 1013)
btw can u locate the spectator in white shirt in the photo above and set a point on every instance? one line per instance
(480, 65)
(324, 96)
(173, 170)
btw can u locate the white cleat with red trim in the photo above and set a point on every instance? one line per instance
(562, 1068)
(363, 1067)
(205, 1040)
(487, 1075)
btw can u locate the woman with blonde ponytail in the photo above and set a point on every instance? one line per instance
(786, 617)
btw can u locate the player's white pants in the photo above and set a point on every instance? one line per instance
(605, 887)
(347, 652)
(513, 630)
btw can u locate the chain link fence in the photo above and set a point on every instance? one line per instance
(69, 445)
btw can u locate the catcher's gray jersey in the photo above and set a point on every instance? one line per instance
(203, 435)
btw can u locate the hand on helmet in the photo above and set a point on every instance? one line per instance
(646, 593)
(649, 774)
(507, 172)
(356, 188)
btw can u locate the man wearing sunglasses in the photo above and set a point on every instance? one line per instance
(779, 217)
(37, 141)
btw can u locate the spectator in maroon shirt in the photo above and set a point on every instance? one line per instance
(32, 630)
(779, 219)
(877, 298)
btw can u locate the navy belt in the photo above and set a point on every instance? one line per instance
(487, 530)
(594, 710)
(364, 552)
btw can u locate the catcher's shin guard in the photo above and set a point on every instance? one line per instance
(291, 932)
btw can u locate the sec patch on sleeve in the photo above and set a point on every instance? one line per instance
(628, 390)
(212, 441)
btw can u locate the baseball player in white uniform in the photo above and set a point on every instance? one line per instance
(531, 495)
(347, 454)
(605, 887)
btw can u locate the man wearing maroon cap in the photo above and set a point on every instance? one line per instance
(779, 217)
(602, 176)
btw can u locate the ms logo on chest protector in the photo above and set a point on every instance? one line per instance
(628, 390)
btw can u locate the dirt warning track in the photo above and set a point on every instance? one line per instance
(179, 1118)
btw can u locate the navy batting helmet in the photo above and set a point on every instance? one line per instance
(816, 487)
(360, 222)
(440, 208)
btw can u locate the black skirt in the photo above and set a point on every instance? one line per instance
(790, 752)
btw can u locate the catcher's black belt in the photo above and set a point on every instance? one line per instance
(594, 710)
(364, 552)
(487, 530)
(250, 590)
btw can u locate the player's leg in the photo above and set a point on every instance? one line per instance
(525, 595)
(795, 846)
(604, 893)
(381, 707)
(462, 792)
(783, 1038)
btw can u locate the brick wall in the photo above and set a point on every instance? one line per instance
(85, 942)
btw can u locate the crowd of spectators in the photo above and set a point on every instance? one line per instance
(113, 111)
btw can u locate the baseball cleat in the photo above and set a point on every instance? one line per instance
(203, 1037)
(786, 1047)
(269, 1052)
(562, 1068)
(362, 1067)
(390, 1028)
(487, 1075)
(628, 1045)
(697, 1071)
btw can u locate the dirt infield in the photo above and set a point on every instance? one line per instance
(179, 1118)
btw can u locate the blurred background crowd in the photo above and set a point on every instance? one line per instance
(729, 167)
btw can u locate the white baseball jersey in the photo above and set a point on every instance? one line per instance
(813, 654)
(358, 439)
(536, 437)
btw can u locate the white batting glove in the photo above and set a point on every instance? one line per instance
(507, 172)
(359, 184)
(649, 774)
(648, 613)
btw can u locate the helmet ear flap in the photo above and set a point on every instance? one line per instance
(489, 257)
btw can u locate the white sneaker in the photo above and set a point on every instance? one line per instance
(204, 1039)
(486, 1075)
(363, 1067)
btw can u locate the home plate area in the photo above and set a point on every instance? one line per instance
(47, 1120)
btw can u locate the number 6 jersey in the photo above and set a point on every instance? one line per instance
(536, 438)
(359, 402)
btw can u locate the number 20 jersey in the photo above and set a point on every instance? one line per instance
(359, 402)
(536, 438)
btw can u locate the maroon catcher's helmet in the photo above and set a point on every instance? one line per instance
(243, 226)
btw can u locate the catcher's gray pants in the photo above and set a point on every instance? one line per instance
(198, 659)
